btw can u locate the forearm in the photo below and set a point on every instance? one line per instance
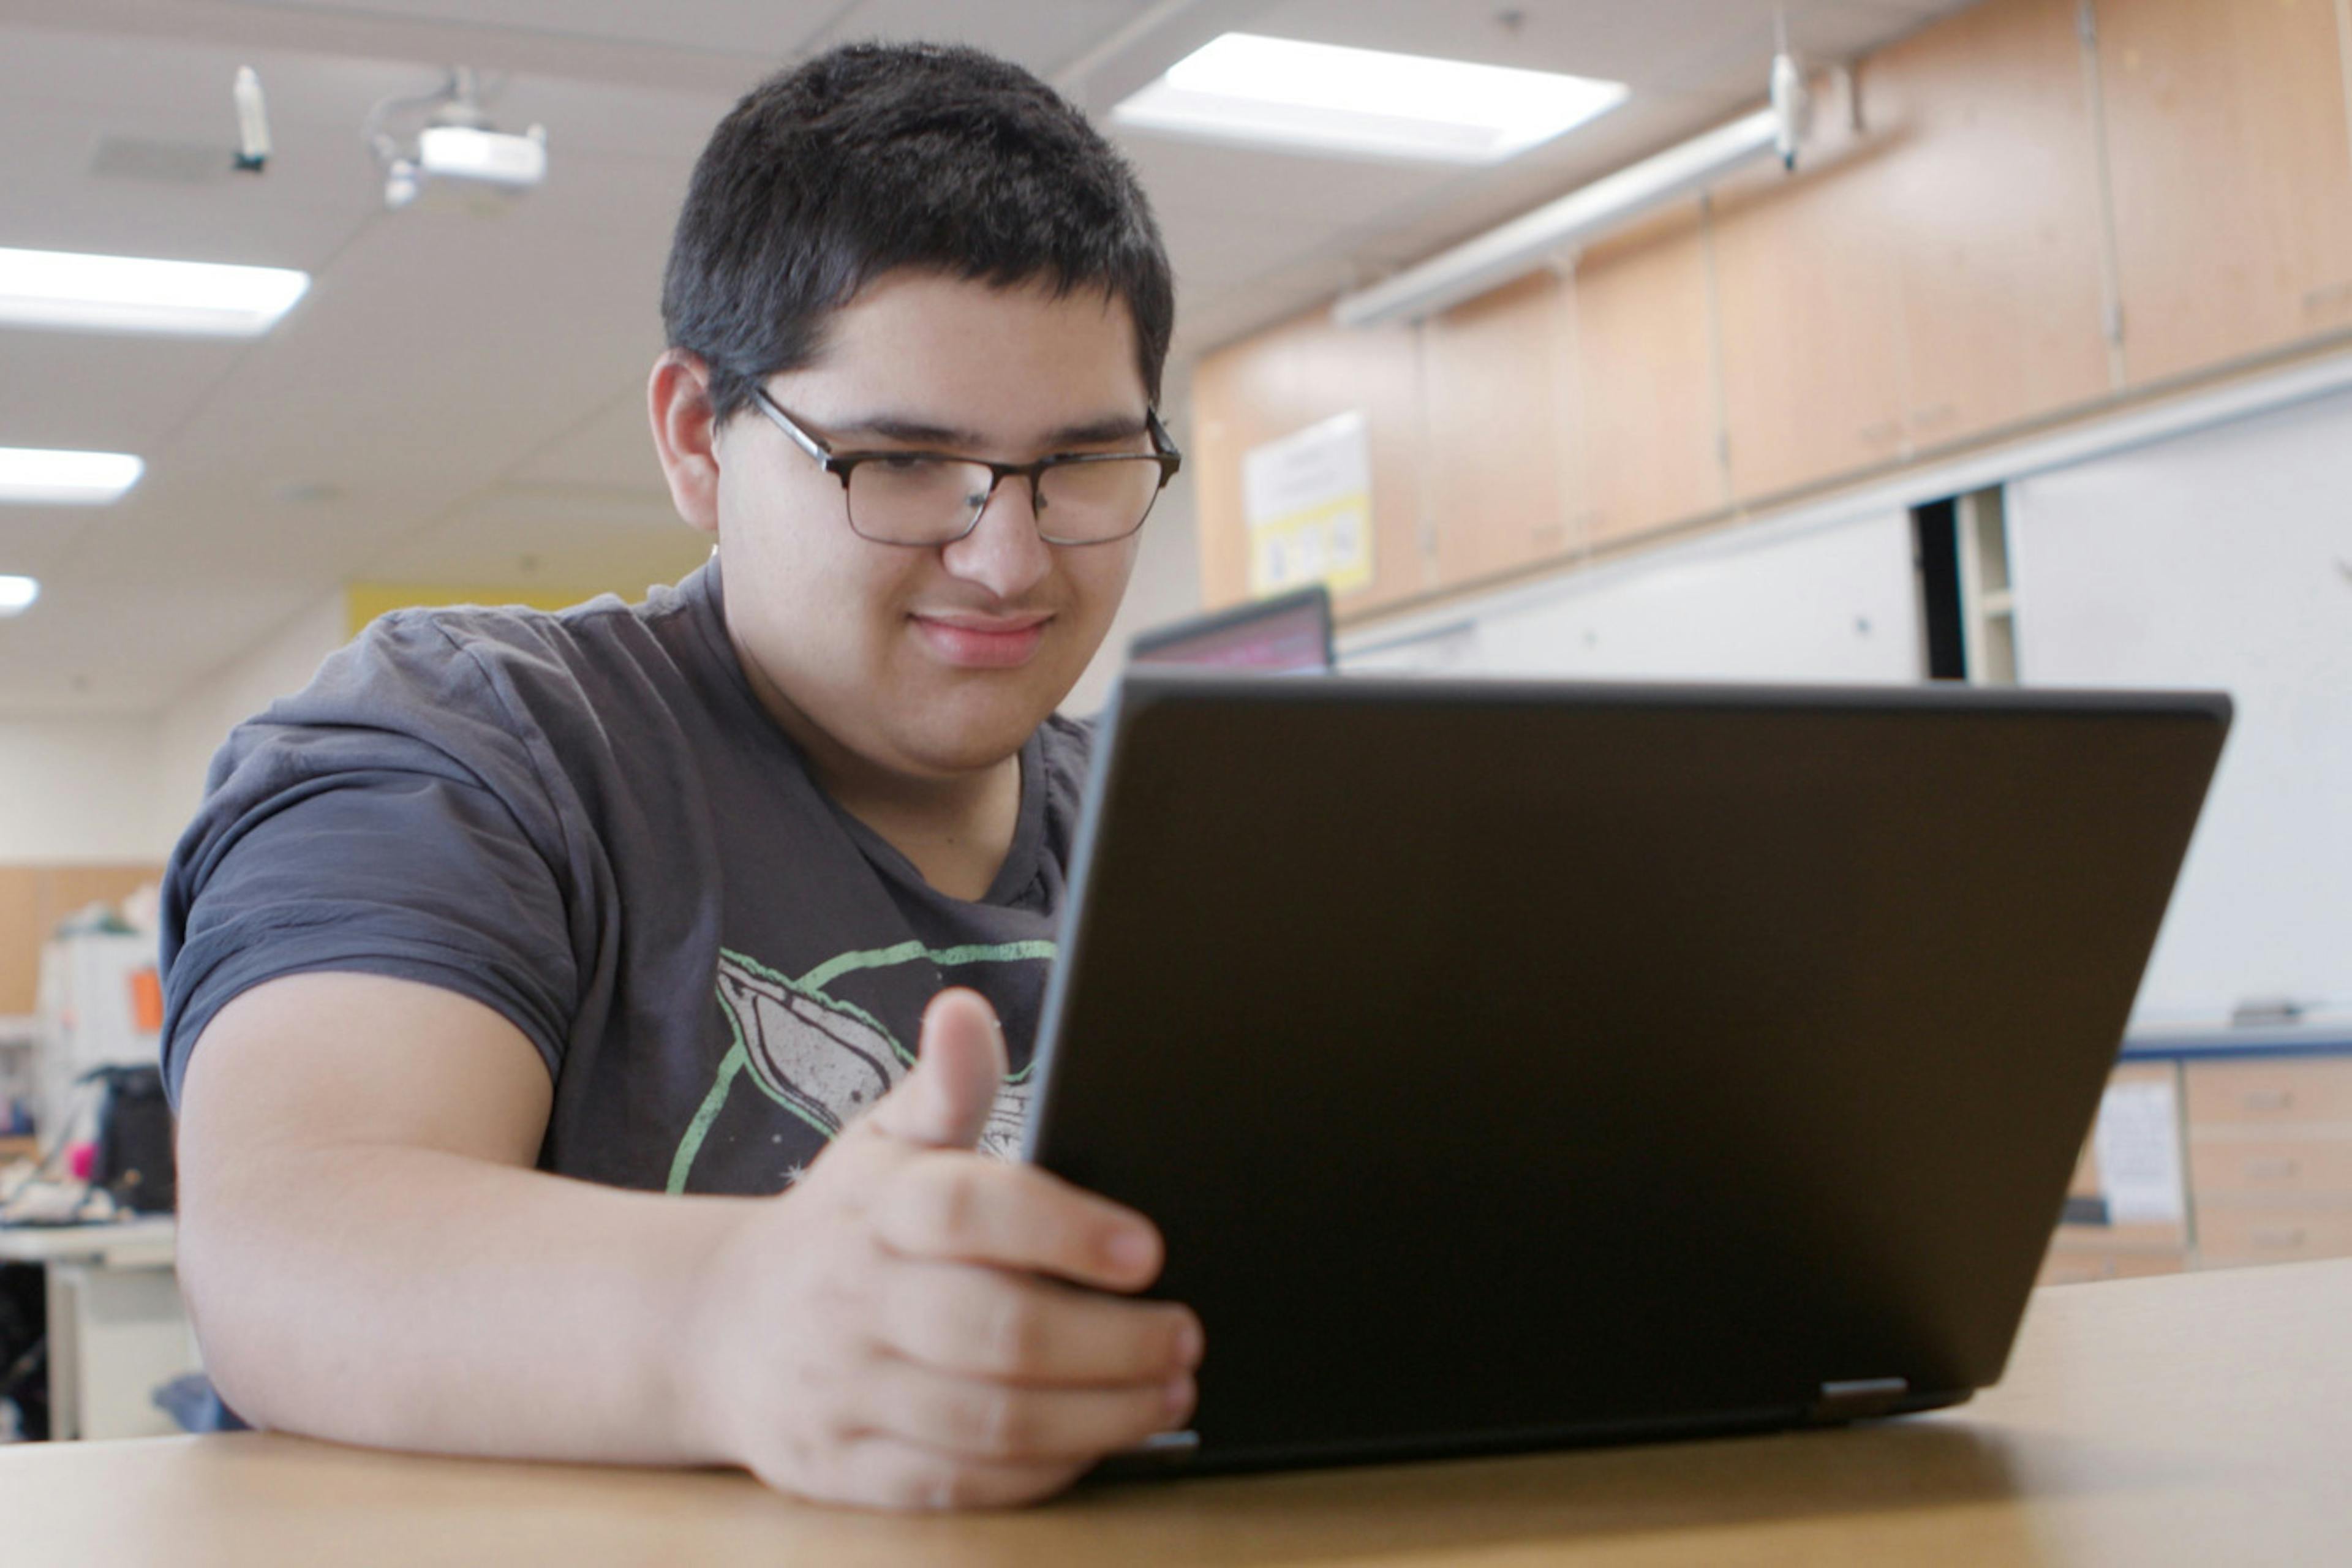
(407, 1298)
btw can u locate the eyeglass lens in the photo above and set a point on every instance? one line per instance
(928, 500)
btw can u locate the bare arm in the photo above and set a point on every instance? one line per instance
(368, 1256)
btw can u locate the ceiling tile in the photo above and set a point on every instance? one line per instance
(1042, 34)
(774, 28)
(460, 393)
(582, 538)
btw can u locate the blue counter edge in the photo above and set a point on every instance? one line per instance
(2238, 1045)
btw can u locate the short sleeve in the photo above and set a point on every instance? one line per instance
(386, 821)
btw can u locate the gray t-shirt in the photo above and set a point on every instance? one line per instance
(587, 822)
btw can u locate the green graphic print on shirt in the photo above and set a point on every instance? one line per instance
(826, 1059)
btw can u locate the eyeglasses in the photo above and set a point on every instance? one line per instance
(937, 497)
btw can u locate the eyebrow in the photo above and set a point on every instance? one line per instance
(920, 433)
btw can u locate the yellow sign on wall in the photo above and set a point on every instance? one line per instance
(363, 602)
(1308, 501)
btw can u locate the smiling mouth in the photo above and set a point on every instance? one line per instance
(983, 642)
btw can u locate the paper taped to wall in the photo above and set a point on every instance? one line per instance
(1308, 500)
(2138, 1143)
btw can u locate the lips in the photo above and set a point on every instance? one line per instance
(983, 642)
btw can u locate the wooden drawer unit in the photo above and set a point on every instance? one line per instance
(2271, 1091)
(2233, 1164)
(2269, 1159)
(2070, 1262)
(2228, 1235)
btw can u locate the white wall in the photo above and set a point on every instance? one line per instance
(192, 729)
(2221, 559)
(77, 789)
(1817, 598)
(1167, 581)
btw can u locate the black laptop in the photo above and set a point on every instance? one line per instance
(1521, 1065)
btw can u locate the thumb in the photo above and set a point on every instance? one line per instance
(958, 1067)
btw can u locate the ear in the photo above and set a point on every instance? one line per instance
(685, 437)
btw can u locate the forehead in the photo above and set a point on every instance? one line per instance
(922, 340)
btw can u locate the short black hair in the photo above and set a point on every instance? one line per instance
(872, 157)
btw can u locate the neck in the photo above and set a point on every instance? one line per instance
(955, 828)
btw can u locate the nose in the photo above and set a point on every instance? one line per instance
(1004, 552)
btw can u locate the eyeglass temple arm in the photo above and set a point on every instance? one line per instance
(802, 438)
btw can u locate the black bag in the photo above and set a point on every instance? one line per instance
(134, 1139)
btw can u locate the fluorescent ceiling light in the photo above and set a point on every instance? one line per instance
(67, 478)
(17, 594)
(136, 294)
(1328, 98)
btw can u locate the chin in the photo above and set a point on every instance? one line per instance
(968, 730)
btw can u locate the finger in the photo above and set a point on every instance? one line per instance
(958, 1207)
(889, 1472)
(985, 1322)
(943, 1102)
(1014, 1424)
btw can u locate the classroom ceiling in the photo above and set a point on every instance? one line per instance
(460, 396)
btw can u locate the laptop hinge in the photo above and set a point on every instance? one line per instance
(1858, 1399)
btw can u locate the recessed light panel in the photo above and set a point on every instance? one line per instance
(41, 477)
(17, 594)
(1328, 98)
(136, 294)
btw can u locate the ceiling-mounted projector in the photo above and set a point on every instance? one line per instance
(452, 141)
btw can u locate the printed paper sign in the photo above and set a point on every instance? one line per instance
(1308, 500)
(2138, 1145)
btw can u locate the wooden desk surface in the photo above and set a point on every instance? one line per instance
(2199, 1419)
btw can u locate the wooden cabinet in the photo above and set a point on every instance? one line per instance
(2231, 170)
(33, 900)
(1284, 379)
(2269, 1159)
(1991, 199)
(2024, 221)
(1499, 439)
(2269, 1172)
(2084, 1250)
(1812, 324)
(1649, 439)
(20, 938)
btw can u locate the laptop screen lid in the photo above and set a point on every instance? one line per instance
(1519, 1064)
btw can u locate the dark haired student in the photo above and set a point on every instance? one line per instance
(592, 1033)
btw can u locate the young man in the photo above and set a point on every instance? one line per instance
(741, 897)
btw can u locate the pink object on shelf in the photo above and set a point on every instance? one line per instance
(81, 1160)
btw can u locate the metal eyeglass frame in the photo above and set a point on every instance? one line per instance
(841, 464)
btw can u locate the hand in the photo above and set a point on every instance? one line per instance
(915, 1325)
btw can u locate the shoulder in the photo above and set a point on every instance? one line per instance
(1067, 745)
(1065, 753)
(507, 649)
(468, 674)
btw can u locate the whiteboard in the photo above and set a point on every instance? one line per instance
(2220, 559)
(1833, 601)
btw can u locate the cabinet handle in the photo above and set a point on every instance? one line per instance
(2278, 1235)
(2267, 1099)
(2273, 1168)
(1878, 435)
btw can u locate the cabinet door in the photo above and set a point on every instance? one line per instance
(1993, 206)
(1651, 443)
(1812, 322)
(2232, 176)
(21, 934)
(1281, 381)
(1496, 432)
